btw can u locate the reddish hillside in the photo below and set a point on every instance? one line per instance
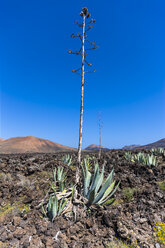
(95, 147)
(1, 139)
(30, 144)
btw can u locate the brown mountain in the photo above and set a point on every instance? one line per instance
(159, 143)
(30, 144)
(131, 147)
(1, 140)
(96, 147)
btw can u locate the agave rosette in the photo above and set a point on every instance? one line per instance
(95, 189)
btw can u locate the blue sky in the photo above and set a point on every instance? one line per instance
(40, 96)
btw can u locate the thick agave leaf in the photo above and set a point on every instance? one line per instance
(91, 198)
(101, 177)
(107, 192)
(61, 186)
(59, 173)
(95, 179)
(54, 207)
(50, 204)
(104, 187)
(87, 180)
(96, 167)
(113, 192)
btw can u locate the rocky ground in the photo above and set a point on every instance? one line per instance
(25, 180)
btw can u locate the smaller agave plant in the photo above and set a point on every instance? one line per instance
(151, 160)
(140, 157)
(158, 151)
(146, 159)
(59, 178)
(128, 156)
(96, 190)
(87, 161)
(56, 207)
(67, 159)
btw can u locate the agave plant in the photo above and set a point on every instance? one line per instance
(151, 160)
(146, 159)
(158, 151)
(128, 156)
(67, 159)
(56, 207)
(140, 157)
(59, 178)
(87, 161)
(96, 190)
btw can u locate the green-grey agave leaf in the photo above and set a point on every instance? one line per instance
(104, 187)
(50, 205)
(109, 196)
(54, 207)
(91, 197)
(99, 183)
(107, 192)
(87, 180)
(95, 179)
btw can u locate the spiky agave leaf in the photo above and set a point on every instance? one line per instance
(104, 187)
(101, 178)
(54, 207)
(87, 178)
(91, 198)
(55, 175)
(95, 179)
(111, 193)
(50, 204)
(107, 192)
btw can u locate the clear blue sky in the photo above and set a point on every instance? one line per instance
(40, 96)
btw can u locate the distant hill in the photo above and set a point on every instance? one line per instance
(1, 139)
(131, 147)
(159, 143)
(96, 147)
(30, 144)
